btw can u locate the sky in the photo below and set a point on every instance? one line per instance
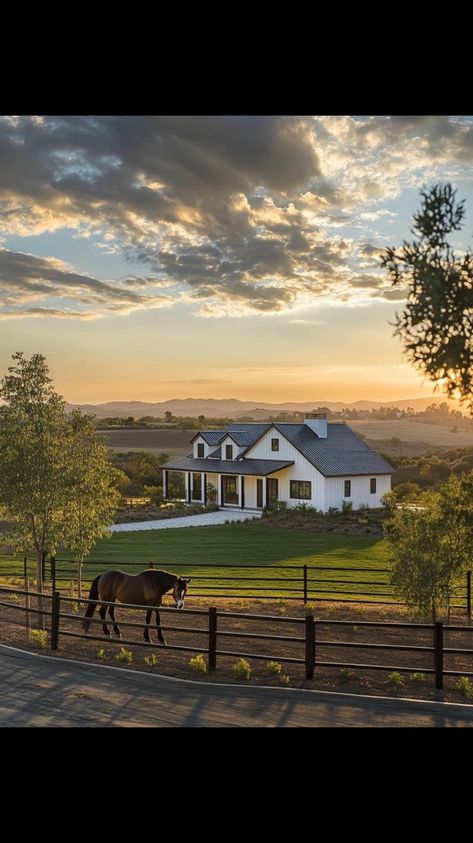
(151, 258)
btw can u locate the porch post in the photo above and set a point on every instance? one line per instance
(189, 482)
(265, 492)
(204, 482)
(219, 490)
(242, 491)
(165, 483)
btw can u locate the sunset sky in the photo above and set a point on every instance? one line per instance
(151, 258)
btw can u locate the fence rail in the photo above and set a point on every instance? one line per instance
(307, 583)
(309, 644)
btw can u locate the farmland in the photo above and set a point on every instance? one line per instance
(176, 443)
(417, 432)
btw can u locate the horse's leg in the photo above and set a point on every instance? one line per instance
(160, 633)
(116, 628)
(103, 614)
(146, 632)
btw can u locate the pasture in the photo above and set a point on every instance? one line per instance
(232, 544)
(410, 431)
(176, 443)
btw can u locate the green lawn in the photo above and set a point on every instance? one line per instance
(236, 544)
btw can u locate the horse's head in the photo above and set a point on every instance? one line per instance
(179, 591)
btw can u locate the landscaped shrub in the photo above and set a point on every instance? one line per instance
(101, 653)
(396, 680)
(212, 507)
(40, 638)
(347, 506)
(284, 679)
(241, 669)
(274, 667)
(151, 660)
(346, 674)
(417, 677)
(198, 664)
(125, 656)
(465, 686)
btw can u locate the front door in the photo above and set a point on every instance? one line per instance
(259, 493)
(230, 489)
(271, 491)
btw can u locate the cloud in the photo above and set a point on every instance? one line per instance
(26, 278)
(235, 215)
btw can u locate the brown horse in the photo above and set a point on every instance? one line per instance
(144, 589)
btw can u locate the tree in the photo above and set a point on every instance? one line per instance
(34, 439)
(168, 416)
(92, 496)
(437, 323)
(431, 545)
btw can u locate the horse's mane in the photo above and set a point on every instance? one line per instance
(166, 579)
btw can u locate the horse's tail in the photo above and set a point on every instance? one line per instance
(93, 595)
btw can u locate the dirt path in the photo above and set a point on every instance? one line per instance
(42, 691)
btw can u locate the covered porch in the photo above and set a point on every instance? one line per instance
(238, 484)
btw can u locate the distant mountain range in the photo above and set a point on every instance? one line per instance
(234, 408)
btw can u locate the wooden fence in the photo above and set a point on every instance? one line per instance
(310, 635)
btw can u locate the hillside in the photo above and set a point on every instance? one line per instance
(234, 408)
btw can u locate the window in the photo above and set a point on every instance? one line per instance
(347, 491)
(200, 449)
(373, 485)
(196, 486)
(275, 444)
(228, 452)
(301, 489)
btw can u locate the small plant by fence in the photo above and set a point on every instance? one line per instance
(306, 583)
(313, 637)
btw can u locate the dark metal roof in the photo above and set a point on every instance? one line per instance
(259, 468)
(341, 453)
(212, 437)
(247, 433)
(217, 453)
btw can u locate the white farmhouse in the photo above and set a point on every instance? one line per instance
(318, 463)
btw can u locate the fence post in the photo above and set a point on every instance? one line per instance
(25, 570)
(309, 646)
(468, 594)
(53, 571)
(56, 602)
(305, 583)
(27, 607)
(43, 566)
(438, 645)
(151, 564)
(212, 638)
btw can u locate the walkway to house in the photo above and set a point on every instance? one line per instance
(204, 520)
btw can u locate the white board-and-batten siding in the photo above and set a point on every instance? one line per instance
(301, 470)
(326, 491)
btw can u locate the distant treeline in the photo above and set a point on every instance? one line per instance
(439, 414)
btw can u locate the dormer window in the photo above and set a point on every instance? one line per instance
(200, 449)
(228, 452)
(275, 444)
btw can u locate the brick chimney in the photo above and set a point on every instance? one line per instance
(318, 423)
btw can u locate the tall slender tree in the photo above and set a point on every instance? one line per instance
(33, 443)
(92, 494)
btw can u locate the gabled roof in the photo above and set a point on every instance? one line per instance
(212, 437)
(260, 468)
(340, 453)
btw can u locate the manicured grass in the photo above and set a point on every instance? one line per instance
(235, 544)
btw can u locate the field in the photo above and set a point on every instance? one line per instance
(409, 431)
(176, 443)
